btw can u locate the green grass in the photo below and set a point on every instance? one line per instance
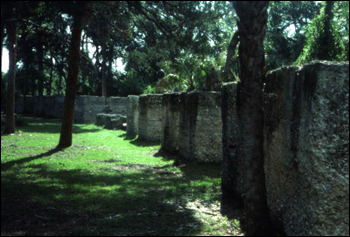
(103, 185)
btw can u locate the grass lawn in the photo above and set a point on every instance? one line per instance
(103, 185)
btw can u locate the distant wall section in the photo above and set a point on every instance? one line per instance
(86, 107)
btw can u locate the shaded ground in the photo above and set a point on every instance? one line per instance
(104, 185)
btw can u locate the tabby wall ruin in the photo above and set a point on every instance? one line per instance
(86, 107)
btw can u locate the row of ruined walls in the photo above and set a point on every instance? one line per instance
(187, 124)
(306, 139)
(306, 142)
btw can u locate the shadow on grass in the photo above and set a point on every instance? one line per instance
(133, 204)
(128, 137)
(6, 166)
(192, 170)
(143, 143)
(41, 125)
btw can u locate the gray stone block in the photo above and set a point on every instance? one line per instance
(200, 136)
(86, 107)
(110, 121)
(306, 148)
(150, 117)
(132, 116)
(171, 122)
(118, 105)
(115, 121)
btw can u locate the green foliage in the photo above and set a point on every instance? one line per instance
(285, 36)
(324, 41)
(180, 39)
(160, 39)
(149, 90)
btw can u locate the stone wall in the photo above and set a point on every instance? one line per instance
(132, 116)
(119, 105)
(86, 107)
(150, 117)
(200, 136)
(171, 122)
(307, 148)
(46, 106)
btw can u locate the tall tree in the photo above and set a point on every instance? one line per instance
(2, 31)
(11, 26)
(252, 27)
(285, 36)
(324, 40)
(79, 14)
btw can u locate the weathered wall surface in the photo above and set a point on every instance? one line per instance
(86, 107)
(150, 117)
(171, 122)
(132, 116)
(307, 148)
(200, 136)
(232, 179)
(119, 105)
(46, 106)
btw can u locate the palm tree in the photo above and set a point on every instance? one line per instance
(73, 72)
(11, 27)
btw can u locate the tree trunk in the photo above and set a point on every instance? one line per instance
(25, 110)
(49, 84)
(62, 77)
(252, 28)
(10, 100)
(72, 83)
(231, 52)
(104, 72)
(2, 35)
(40, 49)
(327, 39)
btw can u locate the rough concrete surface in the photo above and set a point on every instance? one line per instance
(150, 117)
(307, 148)
(171, 122)
(132, 116)
(86, 107)
(200, 137)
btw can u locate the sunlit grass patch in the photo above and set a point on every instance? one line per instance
(102, 185)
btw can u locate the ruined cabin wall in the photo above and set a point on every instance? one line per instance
(171, 122)
(188, 124)
(86, 107)
(307, 148)
(118, 105)
(150, 117)
(132, 116)
(200, 136)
